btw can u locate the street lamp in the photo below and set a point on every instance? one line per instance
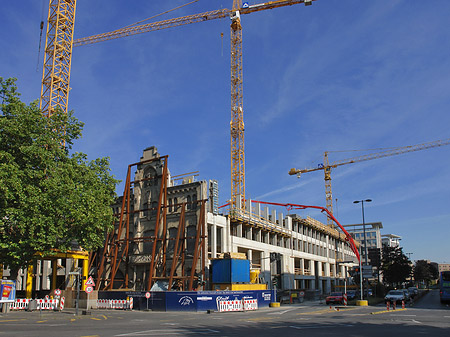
(365, 240)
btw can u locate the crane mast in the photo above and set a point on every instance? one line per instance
(237, 114)
(57, 56)
(327, 167)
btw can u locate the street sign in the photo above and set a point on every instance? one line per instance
(57, 292)
(89, 289)
(367, 271)
(90, 282)
(147, 295)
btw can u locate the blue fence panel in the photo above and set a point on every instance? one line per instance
(181, 301)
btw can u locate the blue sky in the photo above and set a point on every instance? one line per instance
(337, 75)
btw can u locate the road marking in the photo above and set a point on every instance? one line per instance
(257, 319)
(96, 319)
(11, 320)
(280, 312)
(317, 326)
(386, 311)
(41, 321)
(322, 311)
(105, 317)
(357, 314)
(178, 332)
(413, 320)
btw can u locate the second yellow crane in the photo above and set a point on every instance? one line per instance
(326, 166)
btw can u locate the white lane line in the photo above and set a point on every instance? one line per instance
(168, 332)
(319, 326)
(413, 320)
(280, 312)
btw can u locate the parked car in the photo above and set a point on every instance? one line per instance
(413, 291)
(370, 292)
(396, 296)
(407, 295)
(335, 298)
(351, 294)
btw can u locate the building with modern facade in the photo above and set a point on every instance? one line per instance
(373, 237)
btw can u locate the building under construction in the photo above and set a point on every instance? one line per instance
(169, 228)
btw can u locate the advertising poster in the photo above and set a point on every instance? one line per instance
(7, 291)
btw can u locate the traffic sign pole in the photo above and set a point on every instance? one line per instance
(147, 296)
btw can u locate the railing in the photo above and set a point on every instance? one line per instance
(300, 271)
(257, 221)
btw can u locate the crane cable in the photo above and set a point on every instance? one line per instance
(40, 35)
(154, 16)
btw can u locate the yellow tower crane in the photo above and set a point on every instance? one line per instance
(58, 56)
(326, 166)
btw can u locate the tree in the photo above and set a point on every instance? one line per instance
(425, 272)
(49, 199)
(395, 266)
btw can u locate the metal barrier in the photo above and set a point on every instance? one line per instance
(41, 304)
(250, 304)
(238, 305)
(115, 304)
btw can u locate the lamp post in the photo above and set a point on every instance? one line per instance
(365, 240)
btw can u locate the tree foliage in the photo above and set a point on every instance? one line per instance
(425, 272)
(395, 266)
(49, 199)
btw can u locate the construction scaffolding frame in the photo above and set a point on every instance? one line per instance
(163, 264)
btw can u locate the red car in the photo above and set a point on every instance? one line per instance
(335, 298)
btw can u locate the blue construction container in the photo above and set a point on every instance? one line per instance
(230, 271)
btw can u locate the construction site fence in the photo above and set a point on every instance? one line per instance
(238, 305)
(37, 304)
(116, 304)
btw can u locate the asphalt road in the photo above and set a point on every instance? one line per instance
(426, 318)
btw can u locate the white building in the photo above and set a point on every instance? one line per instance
(391, 240)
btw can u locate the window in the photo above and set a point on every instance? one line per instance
(170, 205)
(194, 202)
(189, 206)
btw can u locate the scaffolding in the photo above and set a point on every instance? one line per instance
(171, 260)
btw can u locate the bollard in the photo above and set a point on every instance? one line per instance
(387, 305)
(394, 306)
(403, 304)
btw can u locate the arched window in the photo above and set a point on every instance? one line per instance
(170, 205)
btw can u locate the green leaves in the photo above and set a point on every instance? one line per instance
(48, 198)
(395, 266)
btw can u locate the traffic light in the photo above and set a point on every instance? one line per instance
(374, 255)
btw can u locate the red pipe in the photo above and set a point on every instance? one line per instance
(349, 238)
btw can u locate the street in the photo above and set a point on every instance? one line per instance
(427, 317)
